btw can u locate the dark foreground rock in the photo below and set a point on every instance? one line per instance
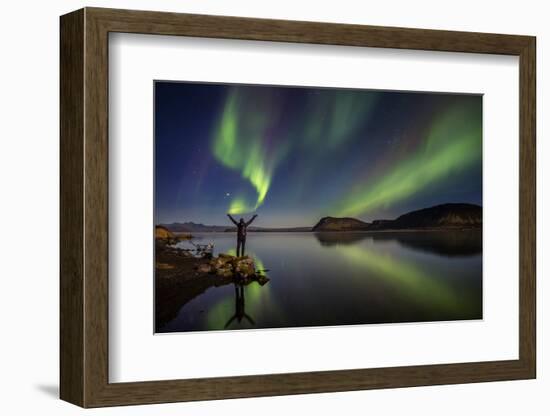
(238, 268)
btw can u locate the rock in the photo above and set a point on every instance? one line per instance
(225, 271)
(226, 265)
(262, 280)
(163, 233)
(224, 260)
(245, 266)
(163, 266)
(216, 263)
(204, 268)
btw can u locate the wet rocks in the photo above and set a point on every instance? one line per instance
(245, 267)
(228, 266)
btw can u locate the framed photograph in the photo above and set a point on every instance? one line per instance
(260, 207)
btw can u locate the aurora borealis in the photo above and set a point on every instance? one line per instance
(294, 155)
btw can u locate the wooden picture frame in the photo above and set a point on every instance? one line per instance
(84, 207)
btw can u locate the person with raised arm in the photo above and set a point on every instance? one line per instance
(241, 232)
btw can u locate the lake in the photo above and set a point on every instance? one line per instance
(319, 279)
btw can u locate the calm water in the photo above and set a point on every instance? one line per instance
(343, 279)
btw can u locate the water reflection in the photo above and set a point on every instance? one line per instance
(343, 279)
(329, 239)
(240, 313)
(445, 243)
(427, 289)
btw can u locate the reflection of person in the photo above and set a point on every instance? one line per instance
(239, 308)
(241, 233)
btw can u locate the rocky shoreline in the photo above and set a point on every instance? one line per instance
(181, 277)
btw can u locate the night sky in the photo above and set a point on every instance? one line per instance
(294, 154)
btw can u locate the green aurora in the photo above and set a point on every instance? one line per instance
(241, 140)
(294, 155)
(238, 144)
(451, 146)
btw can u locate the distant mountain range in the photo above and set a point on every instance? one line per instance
(191, 227)
(443, 216)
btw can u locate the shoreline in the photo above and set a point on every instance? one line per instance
(180, 277)
(177, 282)
(397, 230)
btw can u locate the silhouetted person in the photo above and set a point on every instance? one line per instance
(239, 308)
(241, 233)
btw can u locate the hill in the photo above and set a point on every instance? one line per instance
(440, 216)
(443, 216)
(340, 224)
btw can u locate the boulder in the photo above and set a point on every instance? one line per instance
(244, 266)
(225, 271)
(231, 266)
(163, 233)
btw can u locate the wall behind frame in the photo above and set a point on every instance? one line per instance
(29, 179)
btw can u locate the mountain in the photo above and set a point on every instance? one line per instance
(340, 224)
(439, 216)
(191, 227)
